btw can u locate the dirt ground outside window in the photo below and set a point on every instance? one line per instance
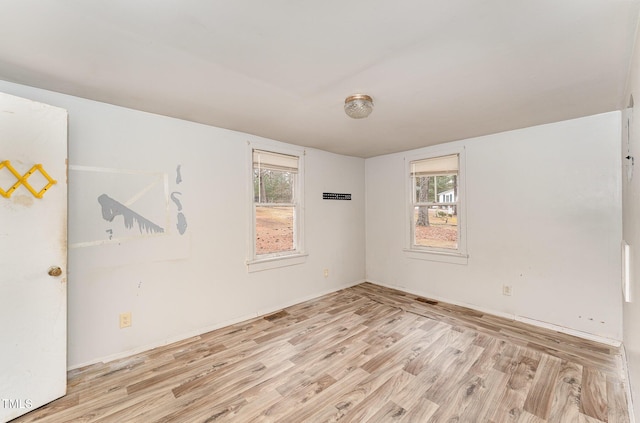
(274, 229)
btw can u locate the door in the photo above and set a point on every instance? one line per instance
(33, 252)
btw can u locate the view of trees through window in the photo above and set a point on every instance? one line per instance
(435, 203)
(274, 188)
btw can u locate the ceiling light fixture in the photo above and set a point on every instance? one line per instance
(358, 106)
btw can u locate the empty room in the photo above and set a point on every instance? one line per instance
(284, 211)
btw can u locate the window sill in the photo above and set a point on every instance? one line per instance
(260, 264)
(439, 256)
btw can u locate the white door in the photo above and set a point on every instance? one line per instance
(33, 253)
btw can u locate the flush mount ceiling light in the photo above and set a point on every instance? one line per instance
(358, 106)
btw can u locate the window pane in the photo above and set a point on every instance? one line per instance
(445, 188)
(273, 186)
(436, 226)
(435, 189)
(274, 229)
(424, 189)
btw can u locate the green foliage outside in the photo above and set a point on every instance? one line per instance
(427, 190)
(273, 186)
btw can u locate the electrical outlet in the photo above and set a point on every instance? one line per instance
(125, 320)
(326, 273)
(506, 290)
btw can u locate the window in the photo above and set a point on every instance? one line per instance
(277, 205)
(435, 205)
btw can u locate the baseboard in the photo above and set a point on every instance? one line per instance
(533, 322)
(167, 341)
(584, 335)
(299, 300)
(200, 331)
(627, 385)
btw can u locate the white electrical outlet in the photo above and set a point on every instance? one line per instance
(326, 273)
(506, 290)
(125, 320)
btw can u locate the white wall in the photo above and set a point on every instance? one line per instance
(631, 221)
(174, 285)
(543, 215)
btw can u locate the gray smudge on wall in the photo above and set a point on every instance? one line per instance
(178, 175)
(182, 221)
(111, 208)
(175, 200)
(182, 224)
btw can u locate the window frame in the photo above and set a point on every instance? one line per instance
(258, 262)
(455, 256)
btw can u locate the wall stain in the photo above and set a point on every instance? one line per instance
(182, 223)
(111, 208)
(23, 200)
(182, 220)
(178, 175)
(175, 200)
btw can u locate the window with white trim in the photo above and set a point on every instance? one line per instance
(436, 212)
(277, 204)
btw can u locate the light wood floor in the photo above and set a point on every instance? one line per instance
(363, 354)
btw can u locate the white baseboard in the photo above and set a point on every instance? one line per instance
(627, 385)
(534, 322)
(200, 331)
(299, 300)
(584, 335)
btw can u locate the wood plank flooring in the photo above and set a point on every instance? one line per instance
(363, 354)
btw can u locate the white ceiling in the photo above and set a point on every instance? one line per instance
(437, 70)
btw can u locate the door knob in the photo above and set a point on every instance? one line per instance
(55, 271)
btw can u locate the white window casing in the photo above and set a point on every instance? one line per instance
(433, 163)
(263, 155)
